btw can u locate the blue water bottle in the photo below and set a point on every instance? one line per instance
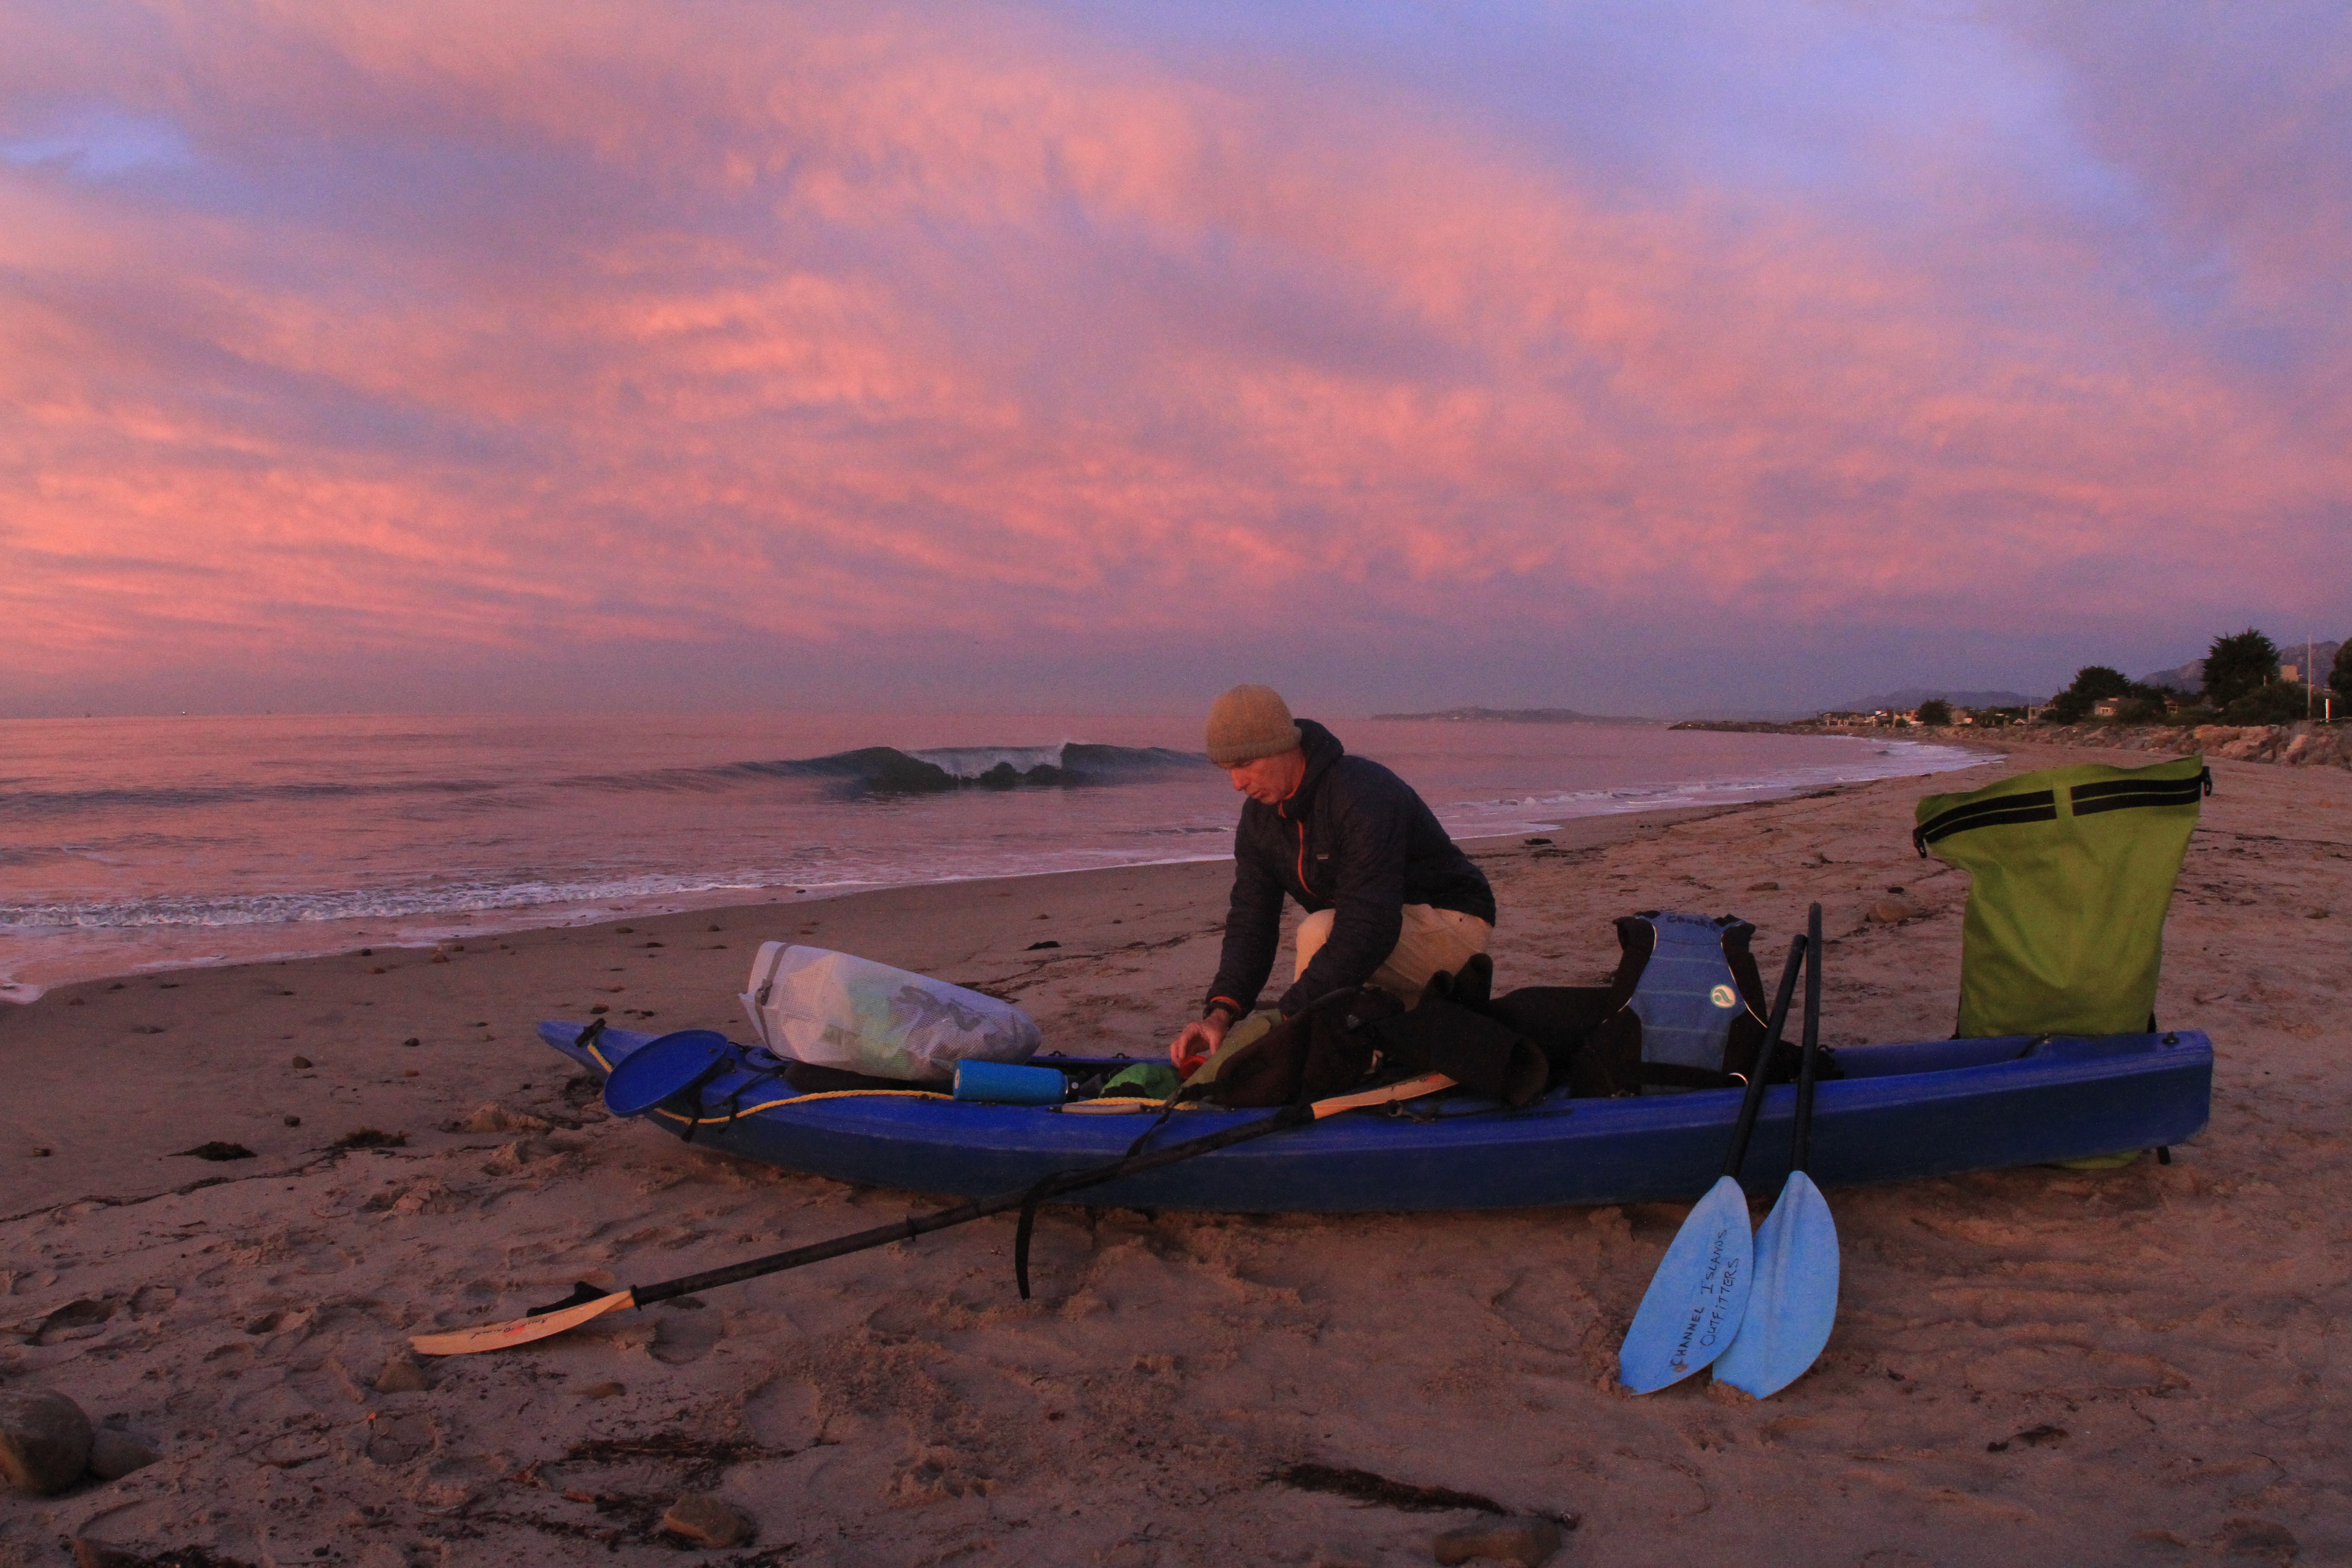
(1001, 1083)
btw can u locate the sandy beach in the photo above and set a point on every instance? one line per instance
(2036, 1366)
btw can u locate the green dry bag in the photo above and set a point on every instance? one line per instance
(2072, 871)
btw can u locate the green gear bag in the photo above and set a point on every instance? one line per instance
(2072, 872)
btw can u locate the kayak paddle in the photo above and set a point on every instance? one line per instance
(586, 1302)
(1793, 1297)
(1695, 1300)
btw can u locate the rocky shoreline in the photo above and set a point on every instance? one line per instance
(2294, 745)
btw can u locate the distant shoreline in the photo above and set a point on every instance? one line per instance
(1517, 716)
(2306, 745)
(1791, 727)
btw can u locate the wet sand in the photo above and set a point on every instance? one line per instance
(2039, 1365)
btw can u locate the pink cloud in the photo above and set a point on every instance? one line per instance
(457, 330)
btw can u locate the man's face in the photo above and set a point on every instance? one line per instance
(1270, 780)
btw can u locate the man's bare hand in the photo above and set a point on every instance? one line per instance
(1199, 1040)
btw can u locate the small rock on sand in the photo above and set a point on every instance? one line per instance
(707, 1521)
(114, 1455)
(1887, 911)
(299, 1062)
(604, 1390)
(44, 1441)
(1526, 1542)
(400, 1374)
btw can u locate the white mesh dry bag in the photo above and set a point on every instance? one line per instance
(840, 1011)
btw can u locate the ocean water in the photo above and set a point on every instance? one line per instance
(136, 844)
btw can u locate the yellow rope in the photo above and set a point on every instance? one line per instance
(805, 1098)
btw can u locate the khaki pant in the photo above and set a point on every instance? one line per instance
(1433, 941)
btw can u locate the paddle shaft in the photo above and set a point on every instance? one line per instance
(1761, 1068)
(979, 1208)
(1803, 1140)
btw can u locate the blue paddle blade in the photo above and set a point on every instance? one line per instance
(1793, 1299)
(1692, 1307)
(661, 1068)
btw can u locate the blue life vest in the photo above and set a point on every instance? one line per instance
(1687, 997)
(1685, 1011)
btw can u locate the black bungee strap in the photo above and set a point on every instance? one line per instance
(759, 1076)
(1062, 1183)
(694, 1123)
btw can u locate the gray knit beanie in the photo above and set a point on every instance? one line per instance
(1249, 722)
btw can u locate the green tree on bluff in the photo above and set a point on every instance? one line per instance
(2237, 665)
(2097, 682)
(2339, 678)
(1935, 710)
(2094, 683)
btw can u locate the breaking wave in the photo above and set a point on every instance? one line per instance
(886, 770)
(871, 770)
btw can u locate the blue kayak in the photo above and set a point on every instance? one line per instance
(1896, 1111)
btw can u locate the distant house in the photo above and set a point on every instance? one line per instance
(2105, 707)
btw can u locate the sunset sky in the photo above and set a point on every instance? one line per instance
(1634, 357)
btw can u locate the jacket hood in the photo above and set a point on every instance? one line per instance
(1322, 749)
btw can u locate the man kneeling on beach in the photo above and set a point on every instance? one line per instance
(1389, 900)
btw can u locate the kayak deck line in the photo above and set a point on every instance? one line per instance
(808, 1098)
